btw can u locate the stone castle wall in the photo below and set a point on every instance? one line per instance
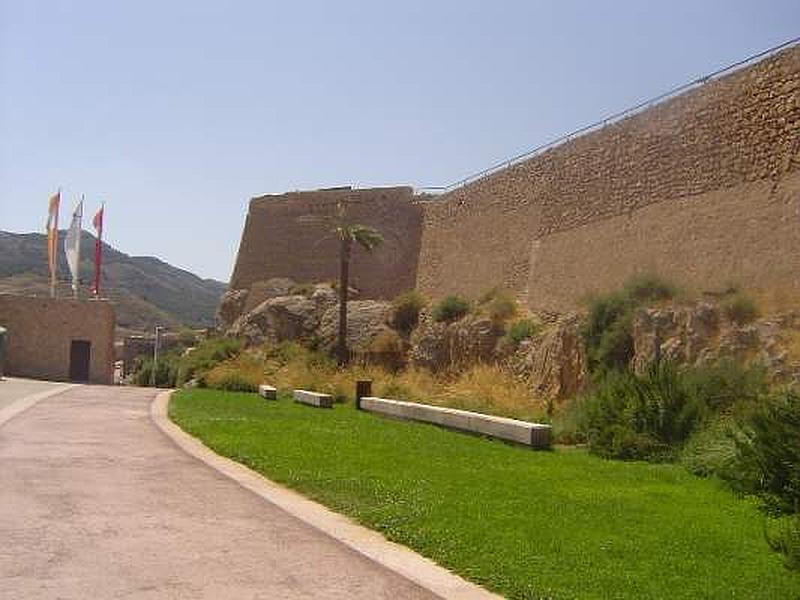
(287, 236)
(40, 332)
(702, 188)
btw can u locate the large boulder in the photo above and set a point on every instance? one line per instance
(366, 320)
(284, 318)
(554, 362)
(443, 346)
(265, 290)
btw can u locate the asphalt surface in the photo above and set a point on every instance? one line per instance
(13, 389)
(95, 502)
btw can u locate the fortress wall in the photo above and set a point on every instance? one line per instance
(282, 236)
(725, 135)
(748, 235)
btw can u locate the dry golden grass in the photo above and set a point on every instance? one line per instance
(482, 388)
(244, 368)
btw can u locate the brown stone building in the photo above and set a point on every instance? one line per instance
(59, 339)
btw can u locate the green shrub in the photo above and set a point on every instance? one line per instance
(451, 308)
(166, 372)
(784, 537)
(520, 330)
(711, 451)
(607, 332)
(205, 357)
(768, 451)
(648, 287)
(640, 417)
(668, 411)
(739, 308)
(723, 386)
(407, 307)
(233, 381)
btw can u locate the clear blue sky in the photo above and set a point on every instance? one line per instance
(176, 112)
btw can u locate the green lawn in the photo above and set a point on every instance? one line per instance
(525, 524)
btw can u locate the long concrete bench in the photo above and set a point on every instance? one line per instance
(313, 398)
(267, 392)
(536, 435)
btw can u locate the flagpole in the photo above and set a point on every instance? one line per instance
(98, 250)
(78, 252)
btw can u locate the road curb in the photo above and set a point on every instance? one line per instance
(20, 406)
(422, 571)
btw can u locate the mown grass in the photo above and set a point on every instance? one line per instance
(560, 524)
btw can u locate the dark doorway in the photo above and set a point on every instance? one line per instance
(79, 354)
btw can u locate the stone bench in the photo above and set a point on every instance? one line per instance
(536, 435)
(313, 398)
(267, 392)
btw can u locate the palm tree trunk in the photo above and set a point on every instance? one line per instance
(342, 352)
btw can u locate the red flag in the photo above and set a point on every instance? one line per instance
(97, 222)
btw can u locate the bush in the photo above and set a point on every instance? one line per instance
(768, 451)
(711, 451)
(234, 382)
(165, 372)
(205, 357)
(739, 308)
(607, 332)
(658, 414)
(640, 417)
(784, 537)
(242, 373)
(520, 330)
(450, 309)
(648, 287)
(407, 307)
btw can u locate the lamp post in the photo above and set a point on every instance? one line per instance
(155, 355)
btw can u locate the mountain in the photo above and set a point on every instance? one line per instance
(146, 291)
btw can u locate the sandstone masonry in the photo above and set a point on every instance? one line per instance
(41, 332)
(703, 189)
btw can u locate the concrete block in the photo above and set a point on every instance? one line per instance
(267, 392)
(313, 398)
(536, 435)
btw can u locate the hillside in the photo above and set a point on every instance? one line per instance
(146, 291)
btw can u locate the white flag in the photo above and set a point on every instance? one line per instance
(72, 245)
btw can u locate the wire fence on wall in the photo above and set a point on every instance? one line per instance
(611, 119)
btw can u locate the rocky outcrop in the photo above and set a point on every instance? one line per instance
(366, 320)
(554, 362)
(230, 308)
(284, 317)
(700, 334)
(443, 346)
(237, 302)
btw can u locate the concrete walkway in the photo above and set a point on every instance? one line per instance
(95, 502)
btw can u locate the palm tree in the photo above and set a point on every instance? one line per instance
(348, 233)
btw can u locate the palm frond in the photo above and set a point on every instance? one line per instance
(367, 237)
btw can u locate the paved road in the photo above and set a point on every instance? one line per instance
(95, 502)
(13, 389)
